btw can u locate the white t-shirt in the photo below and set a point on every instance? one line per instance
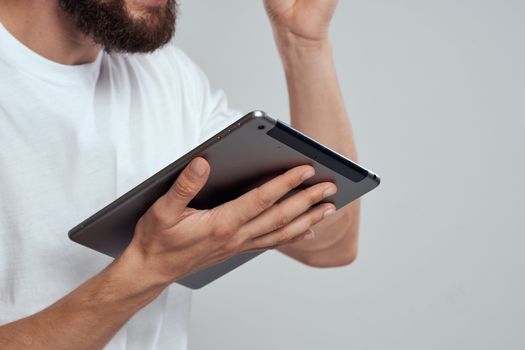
(74, 138)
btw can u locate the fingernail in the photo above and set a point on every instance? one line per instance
(329, 191)
(328, 212)
(309, 236)
(308, 174)
(198, 167)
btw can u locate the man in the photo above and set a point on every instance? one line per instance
(93, 100)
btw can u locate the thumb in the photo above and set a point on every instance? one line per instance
(190, 181)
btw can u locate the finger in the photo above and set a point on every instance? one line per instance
(284, 212)
(295, 228)
(171, 205)
(252, 203)
(307, 235)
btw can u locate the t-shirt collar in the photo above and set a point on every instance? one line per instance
(23, 58)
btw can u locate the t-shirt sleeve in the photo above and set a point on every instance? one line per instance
(211, 105)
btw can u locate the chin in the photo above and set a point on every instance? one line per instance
(148, 4)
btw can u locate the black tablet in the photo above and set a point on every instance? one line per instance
(244, 155)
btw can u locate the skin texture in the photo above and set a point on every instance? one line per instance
(300, 29)
(172, 240)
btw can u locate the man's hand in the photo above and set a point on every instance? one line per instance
(306, 20)
(173, 240)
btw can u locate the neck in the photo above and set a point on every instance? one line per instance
(45, 29)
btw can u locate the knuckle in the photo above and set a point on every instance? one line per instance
(313, 195)
(183, 189)
(157, 214)
(282, 220)
(312, 221)
(315, 217)
(283, 237)
(233, 246)
(263, 201)
(292, 182)
(224, 230)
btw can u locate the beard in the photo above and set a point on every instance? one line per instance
(112, 25)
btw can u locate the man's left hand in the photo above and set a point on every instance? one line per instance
(302, 20)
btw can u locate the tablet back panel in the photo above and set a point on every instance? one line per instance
(246, 154)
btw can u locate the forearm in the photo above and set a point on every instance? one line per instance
(316, 104)
(317, 109)
(88, 317)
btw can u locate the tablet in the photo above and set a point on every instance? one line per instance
(244, 155)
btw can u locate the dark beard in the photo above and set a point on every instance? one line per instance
(109, 24)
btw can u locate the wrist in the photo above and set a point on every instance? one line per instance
(289, 40)
(131, 270)
(296, 50)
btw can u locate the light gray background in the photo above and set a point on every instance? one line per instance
(436, 93)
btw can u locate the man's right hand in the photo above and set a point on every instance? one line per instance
(172, 240)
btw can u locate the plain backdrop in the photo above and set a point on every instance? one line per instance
(436, 94)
